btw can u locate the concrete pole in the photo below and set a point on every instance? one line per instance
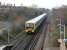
(60, 28)
(8, 35)
(64, 36)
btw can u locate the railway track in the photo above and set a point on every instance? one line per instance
(17, 38)
(33, 42)
(22, 43)
(25, 41)
(39, 45)
(18, 41)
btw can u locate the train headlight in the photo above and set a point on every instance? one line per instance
(32, 30)
(26, 30)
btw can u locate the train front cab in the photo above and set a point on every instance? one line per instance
(29, 28)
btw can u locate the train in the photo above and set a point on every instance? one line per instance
(32, 25)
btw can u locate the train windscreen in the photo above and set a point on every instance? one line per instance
(29, 25)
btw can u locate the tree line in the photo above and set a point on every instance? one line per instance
(61, 12)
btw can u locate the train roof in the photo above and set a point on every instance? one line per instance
(34, 20)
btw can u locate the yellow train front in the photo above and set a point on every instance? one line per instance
(29, 28)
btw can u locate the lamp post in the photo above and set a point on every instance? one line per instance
(60, 28)
(64, 36)
(8, 35)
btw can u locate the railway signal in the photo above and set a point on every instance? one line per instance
(62, 29)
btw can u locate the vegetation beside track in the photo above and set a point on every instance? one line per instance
(54, 32)
(62, 13)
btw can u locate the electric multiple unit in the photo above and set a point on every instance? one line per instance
(31, 25)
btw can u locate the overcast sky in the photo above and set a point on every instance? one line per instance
(40, 3)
